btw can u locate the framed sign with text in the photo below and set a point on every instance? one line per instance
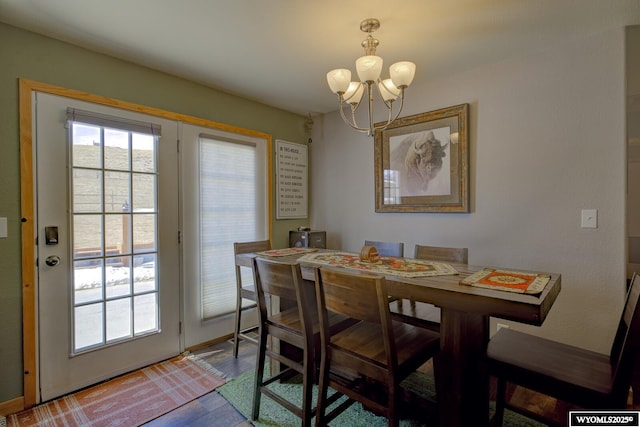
(292, 176)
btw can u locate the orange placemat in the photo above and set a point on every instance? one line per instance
(506, 280)
(391, 266)
(286, 251)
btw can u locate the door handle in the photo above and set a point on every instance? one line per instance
(52, 260)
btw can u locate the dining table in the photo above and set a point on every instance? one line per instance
(463, 398)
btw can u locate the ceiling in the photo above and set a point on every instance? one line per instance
(278, 51)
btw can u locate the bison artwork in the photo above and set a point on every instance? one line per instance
(419, 159)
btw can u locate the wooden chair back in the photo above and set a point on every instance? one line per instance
(437, 253)
(368, 360)
(245, 291)
(624, 350)
(282, 280)
(358, 296)
(245, 248)
(387, 248)
(291, 326)
(248, 247)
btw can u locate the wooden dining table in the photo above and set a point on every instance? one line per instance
(463, 399)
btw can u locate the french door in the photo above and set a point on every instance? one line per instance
(108, 250)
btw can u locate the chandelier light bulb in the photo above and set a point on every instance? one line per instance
(369, 68)
(339, 80)
(353, 95)
(388, 90)
(402, 73)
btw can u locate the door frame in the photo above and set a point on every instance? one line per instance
(27, 207)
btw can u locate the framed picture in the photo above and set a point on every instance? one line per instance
(422, 163)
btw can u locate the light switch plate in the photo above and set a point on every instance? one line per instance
(3, 228)
(589, 218)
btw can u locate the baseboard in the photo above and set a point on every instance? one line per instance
(210, 342)
(12, 406)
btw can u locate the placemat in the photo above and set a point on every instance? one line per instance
(403, 267)
(506, 280)
(286, 251)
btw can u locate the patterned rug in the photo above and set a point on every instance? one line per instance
(128, 400)
(238, 392)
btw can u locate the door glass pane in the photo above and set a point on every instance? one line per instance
(144, 190)
(117, 234)
(87, 190)
(118, 319)
(88, 326)
(144, 233)
(145, 309)
(87, 236)
(86, 146)
(144, 273)
(143, 153)
(88, 280)
(116, 149)
(116, 191)
(118, 277)
(114, 217)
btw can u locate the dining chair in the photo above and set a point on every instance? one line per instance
(367, 361)
(421, 313)
(246, 293)
(438, 253)
(578, 376)
(297, 326)
(387, 248)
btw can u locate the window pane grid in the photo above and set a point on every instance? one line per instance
(114, 235)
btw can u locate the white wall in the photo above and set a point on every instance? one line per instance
(547, 139)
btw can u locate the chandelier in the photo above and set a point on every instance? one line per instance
(369, 68)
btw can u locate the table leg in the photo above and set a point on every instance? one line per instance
(463, 394)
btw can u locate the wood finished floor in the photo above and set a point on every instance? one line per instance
(213, 410)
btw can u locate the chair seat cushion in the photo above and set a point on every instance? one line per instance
(568, 372)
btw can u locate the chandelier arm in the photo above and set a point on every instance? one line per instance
(354, 107)
(391, 120)
(370, 95)
(353, 125)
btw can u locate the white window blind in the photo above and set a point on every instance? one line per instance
(230, 211)
(105, 120)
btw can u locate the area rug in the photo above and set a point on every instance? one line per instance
(129, 400)
(239, 392)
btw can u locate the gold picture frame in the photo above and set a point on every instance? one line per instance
(422, 163)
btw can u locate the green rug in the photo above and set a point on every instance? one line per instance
(239, 392)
